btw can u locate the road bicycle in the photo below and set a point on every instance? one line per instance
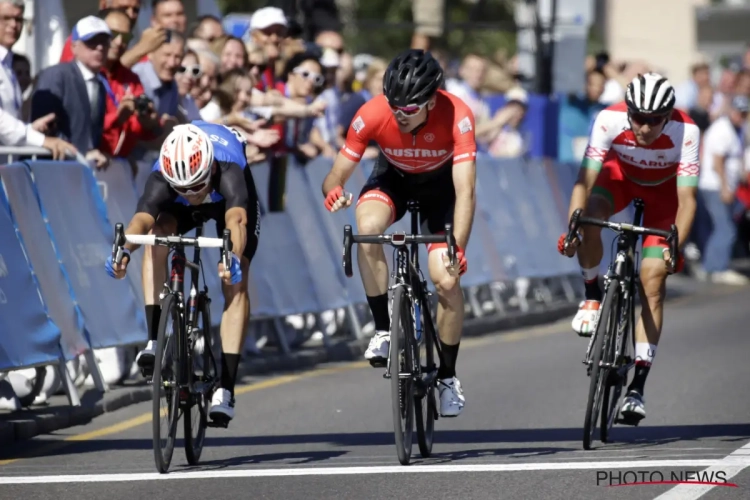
(609, 355)
(413, 384)
(185, 371)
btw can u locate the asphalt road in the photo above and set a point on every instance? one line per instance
(328, 433)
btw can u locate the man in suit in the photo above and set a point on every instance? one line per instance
(74, 91)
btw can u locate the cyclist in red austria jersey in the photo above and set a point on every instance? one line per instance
(428, 154)
(641, 148)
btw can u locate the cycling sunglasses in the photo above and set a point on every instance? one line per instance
(193, 71)
(193, 190)
(650, 120)
(316, 78)
(408, 110)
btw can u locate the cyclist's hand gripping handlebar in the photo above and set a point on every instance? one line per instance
(673, 241)
(117, 245)
(450, 241)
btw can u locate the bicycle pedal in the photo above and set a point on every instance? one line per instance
(378, 363)
(630, 421)
(217, 424)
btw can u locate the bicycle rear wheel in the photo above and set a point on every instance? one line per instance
(402, 388)
(202, 377)
(425, 407)
(165, 383)
(600, 350)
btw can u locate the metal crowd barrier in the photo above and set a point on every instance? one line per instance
(56, 225)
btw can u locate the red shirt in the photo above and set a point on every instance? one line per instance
(267, 82)
(120, 139)
(448, 134)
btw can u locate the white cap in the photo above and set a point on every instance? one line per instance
(517, 94)
(88, 27)
(330, 59)
(267, 16)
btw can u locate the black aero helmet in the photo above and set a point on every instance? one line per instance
(412, 78)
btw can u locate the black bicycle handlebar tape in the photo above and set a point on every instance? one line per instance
(573, 226)
(348, 251)
(227, 248)
(117, 252)
(450, 241)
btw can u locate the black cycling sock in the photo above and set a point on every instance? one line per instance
(229, 365)
(153, 315)
(639, 378)
(447, 368)
(379, 308)
(593, 291)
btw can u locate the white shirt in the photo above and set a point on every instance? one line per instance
(613, 92)
(469, 96)
(92, 86)
(211, 111)
(721, 139)
(11, 97)
(14, 132)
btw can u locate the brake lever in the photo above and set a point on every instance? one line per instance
(573, 227)
(117, 250)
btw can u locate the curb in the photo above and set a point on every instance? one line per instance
(30, 423)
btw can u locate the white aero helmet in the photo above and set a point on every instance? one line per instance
(186, 156)
(650, 94)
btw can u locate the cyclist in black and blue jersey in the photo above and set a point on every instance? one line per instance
(202, 167)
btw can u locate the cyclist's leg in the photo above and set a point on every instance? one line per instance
(154, 275)
(380, 204)
(609, 196)
(437, 202)
(659, 212)
(236, 316)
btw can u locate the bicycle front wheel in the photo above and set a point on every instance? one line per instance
(165, 383)
(203, 377)
(599, 374)
(620, 332)
(402, 384)
(425, 407)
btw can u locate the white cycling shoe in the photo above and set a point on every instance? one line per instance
(222, 406)
(585, 320)
(633, 408)
(452, 398)
(145, 358)
(377, 351)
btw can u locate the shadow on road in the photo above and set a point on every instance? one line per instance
(623, 437)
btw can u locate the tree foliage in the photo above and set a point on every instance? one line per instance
(384, 27)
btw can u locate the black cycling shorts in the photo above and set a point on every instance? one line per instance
(434, 191)
(216, 211)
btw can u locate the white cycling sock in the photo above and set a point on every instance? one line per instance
(644, 353)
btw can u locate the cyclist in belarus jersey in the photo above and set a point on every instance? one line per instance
(202, 168)
(642, 148)
(428, 153)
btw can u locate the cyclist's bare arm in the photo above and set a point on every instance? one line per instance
(140, 224)
(236, 221)
(688, 172)
(342, 169)
(587, 176)
(686, 207)
(464, 180)
(600, 141)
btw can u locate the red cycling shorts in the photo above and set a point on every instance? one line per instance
(660, 202)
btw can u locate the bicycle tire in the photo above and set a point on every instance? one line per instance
(598, 375)
(166, 345)
(614, 383)
(402, 389)
(425, 407)
(201, 399)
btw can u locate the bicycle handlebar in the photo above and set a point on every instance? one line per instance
(225, 243)
(395, 239)
(576, 220)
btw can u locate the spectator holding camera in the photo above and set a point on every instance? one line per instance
(158, 75)
(128, 117)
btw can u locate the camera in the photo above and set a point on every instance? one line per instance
(142, 104)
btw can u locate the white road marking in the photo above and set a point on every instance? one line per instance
(731, 465)
(334, 471)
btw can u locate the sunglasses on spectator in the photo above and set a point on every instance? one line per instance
(650, 120)
(126, 37)
(193, 71)
(408, 110)
(193, 190)
(316, 78)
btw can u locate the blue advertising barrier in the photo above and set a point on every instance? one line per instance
(82, 234)
(50, 273)
(117, 188)
(28, 337)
